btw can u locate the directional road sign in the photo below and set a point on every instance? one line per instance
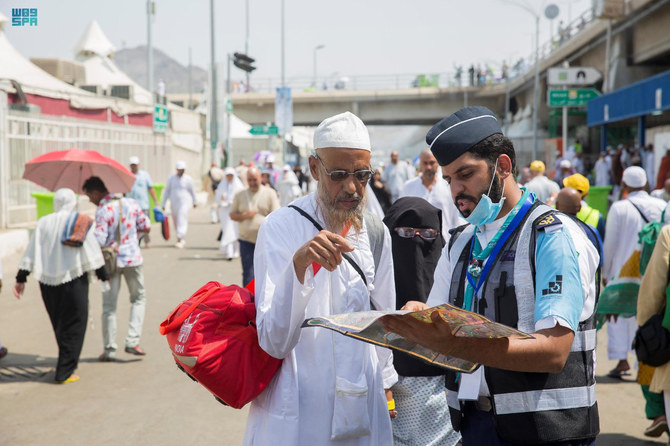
(264, 130)
(160, 118)
(576, 97)
(573, 76)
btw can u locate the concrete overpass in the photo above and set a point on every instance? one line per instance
(396, 107)
(639, 47)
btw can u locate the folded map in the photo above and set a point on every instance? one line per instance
(366, 326)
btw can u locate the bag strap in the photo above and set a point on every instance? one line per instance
(646, 220)
(375, 236)
(117, 237)
(320, 228)
(166, 327)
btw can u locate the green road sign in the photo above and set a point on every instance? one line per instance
(229, 106)
(264, 130)
(160, 118)
(576, 97)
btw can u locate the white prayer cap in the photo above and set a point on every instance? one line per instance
(229, 171)
(286, 168)
(180, 165)
(565, 164)
(344, 130)
(134, 160)
(634, 176)
(270, 158)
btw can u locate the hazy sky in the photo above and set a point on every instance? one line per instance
(360, 36)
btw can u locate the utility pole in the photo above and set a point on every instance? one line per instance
(246, 43)
(214, 120)
(150, 55)
(536, 84)
(190, 80)
(283, 73)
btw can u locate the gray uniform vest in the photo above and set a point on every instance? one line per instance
(529, 408)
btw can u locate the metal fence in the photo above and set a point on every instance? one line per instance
(484, 73)
(28, 136)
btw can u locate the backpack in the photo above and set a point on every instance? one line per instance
(652, 339)
(647, 240)
(214, 340)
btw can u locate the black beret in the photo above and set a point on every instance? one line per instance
(456, 134)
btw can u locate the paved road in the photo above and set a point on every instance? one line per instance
(149, 401)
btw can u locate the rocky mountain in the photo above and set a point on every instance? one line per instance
(133, 62)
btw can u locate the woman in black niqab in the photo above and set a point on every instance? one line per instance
(420, 392)
(414, 259)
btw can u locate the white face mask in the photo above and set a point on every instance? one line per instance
(486, 211)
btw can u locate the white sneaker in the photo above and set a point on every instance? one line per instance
(179, 244)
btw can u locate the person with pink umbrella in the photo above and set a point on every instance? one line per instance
(117, 224)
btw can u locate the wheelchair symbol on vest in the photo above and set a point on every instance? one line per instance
(186, 327)
(555, 287)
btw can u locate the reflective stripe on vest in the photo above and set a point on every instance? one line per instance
(541, 400)
(589, 215)
(584, 341)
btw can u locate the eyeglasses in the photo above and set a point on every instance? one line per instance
(362, 175)
(424, 233)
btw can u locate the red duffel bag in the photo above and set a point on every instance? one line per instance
(213, 339)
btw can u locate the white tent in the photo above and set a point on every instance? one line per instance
(94, 52)
(13, 66)
(34, 80)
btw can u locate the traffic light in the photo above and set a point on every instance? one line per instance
(243, 62)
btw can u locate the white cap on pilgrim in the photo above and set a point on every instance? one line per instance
(180, 165)
(134, 160)
(634, 176)
(344, 130)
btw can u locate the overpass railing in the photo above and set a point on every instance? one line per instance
(473, 75)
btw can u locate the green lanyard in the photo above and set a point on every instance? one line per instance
(479, 256)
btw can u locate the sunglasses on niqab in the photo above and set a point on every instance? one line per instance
(424, 233)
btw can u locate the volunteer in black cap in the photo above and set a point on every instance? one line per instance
(525, 265)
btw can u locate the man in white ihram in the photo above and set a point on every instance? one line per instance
(396, 174)
(430, 186)
(330, 388)
(181, 193)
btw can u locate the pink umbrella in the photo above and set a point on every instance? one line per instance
(70, 168)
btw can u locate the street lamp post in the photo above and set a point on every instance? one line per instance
(316, 48)
(536, 81)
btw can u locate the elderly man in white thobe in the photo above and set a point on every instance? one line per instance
(330, 389)
(181, 193)
(621, 250)
(225, 192)
(430, 186)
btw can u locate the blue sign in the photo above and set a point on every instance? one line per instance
(24, 16)
(646, 97)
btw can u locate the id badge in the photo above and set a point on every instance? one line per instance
(470, 383)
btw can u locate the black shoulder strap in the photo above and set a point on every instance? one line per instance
(646, 220)
(320, 228)
(455, 232)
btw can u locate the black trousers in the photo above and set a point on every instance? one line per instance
(67, 305)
